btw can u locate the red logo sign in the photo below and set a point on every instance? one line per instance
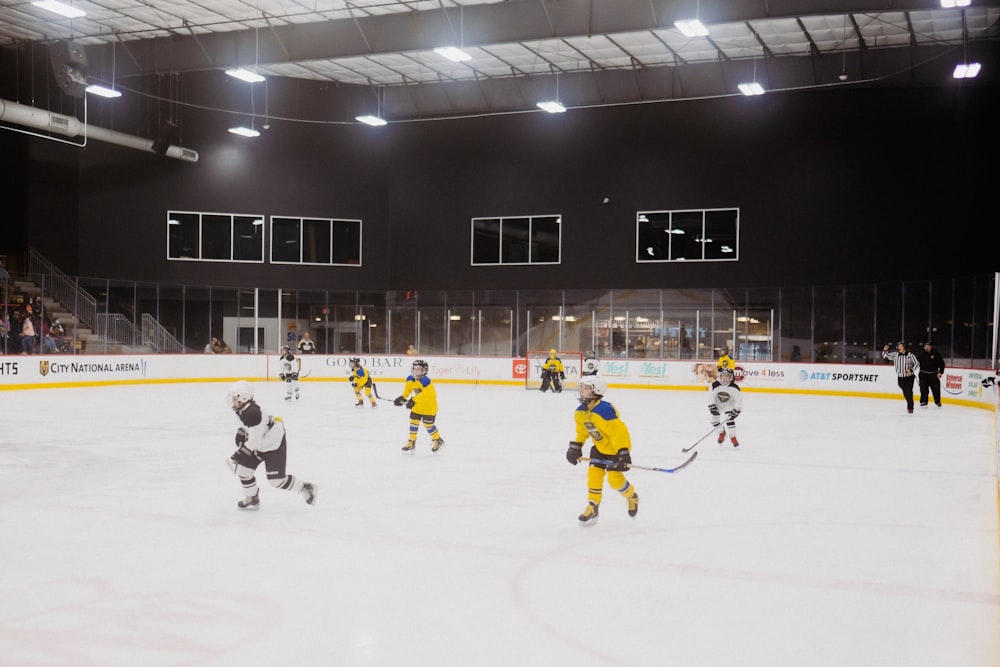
(519, 369)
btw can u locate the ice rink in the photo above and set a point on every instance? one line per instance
(843, 532)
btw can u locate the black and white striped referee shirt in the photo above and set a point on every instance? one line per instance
(903, 362)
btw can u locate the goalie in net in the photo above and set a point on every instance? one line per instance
(551, 370)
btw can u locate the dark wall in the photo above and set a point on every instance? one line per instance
(841, 186)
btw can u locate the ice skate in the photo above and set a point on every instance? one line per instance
(736, 443)
(633, 505)
(589, 516)
(309, 491)
(374, 404)
(409, 447)
(359, 404)
(251, 503)
(437, 444)
(722, 437)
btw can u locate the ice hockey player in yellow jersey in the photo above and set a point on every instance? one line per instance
(553, 373)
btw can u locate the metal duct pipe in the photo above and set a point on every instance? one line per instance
(68, 126)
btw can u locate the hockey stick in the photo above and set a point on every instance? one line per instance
(375, 389)
(688, 449)
(605, 463)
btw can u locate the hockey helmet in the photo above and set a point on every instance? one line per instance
(240, 394)
(354, 362)
(726, 377)
(553, 353)
(590, 387)
(590, 366)
(419, 368)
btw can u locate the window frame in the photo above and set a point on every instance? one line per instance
(523, 243)
(675, 223)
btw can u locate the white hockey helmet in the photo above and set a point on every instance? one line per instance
(590, 387)
(240, 394)
(419, 368)
(590, 366)
(726, 377)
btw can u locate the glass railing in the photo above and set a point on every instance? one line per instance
(832, 324)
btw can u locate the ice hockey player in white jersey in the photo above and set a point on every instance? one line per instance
(260, 439)
(591, 364)
(725, 403)
(289, 367)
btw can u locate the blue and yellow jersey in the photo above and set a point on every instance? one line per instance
(360, 376)
(425, 400)
(603, 426)
(553, 364)
(726, 361)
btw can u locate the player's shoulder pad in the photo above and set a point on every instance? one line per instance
(252, 415)
(606, 411)
(424, 381)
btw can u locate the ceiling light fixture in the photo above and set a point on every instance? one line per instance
(60, 8)
(245, 131)
(967, 70)
(752, 88)
(949, 4)
(244, 75)
(692, 27)
(552, 107)
(374, 121)
(96, 89)
(453, 53)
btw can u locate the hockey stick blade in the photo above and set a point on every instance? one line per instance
(688, 449)
(375, 389)
(633, 466)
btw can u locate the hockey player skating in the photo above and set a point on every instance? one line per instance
(726, 360)
(591, 364)
(261, 439)
(422, 404)
(553, 373)
(361, 379)
(611, 451)
(725, 402)
(289, 367)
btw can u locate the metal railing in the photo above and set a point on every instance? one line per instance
(62, 288)
(157, 337)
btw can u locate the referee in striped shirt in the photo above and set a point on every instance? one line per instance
(907, 368)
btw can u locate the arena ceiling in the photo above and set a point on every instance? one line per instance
(582, 53)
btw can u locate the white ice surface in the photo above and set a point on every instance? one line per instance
(843, 532)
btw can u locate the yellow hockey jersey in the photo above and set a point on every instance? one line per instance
(603, 426)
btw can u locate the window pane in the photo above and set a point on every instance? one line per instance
(722, 228)
(652, 236)
(182, 235)
(545, 239)
(216, 237)
(514, 241)
(686, 235)
(248, 238)
(316, 241)
(285, 244)
(486, 241)
(347, 242)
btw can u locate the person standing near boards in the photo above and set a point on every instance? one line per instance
(931, 369)
(907, 368)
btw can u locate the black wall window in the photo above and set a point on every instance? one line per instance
(684, 236)
(517, 240)
(215, 237)
(315, 241)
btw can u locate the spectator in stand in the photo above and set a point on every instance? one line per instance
(411, 351)
(4, 332)
(931, 370)
(58, 333)
(28, 334)
(224, 348)
(307, 345)
(211, 345)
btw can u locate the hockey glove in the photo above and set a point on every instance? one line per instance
(714, 409)
(562, 376)
(282, 376)
(622, 462)
(410, 403)
(354, 384)
(732, 414)
(399, 401)
(574, 452)
(242, 435)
